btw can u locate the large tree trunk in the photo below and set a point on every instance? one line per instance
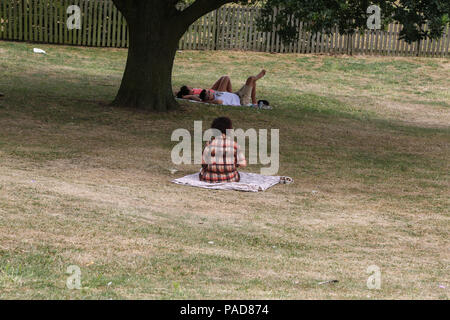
(146, 82)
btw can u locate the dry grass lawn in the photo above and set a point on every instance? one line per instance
(81, 183)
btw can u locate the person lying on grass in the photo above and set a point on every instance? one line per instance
(246, 96)
(222, 155)
(189, 93)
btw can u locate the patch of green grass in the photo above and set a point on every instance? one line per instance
(352, 65)
(34, 269)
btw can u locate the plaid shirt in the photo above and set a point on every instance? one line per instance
(221, 158)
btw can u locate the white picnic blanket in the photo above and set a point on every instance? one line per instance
(210, 104)
(205, 103)
(250, 182)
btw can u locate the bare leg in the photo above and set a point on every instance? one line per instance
(223, 84)
(254, 95)
(217, 84)
(261, 74)
(252, 83)
(229, 87)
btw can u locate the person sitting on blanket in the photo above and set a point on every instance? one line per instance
(246, 96)
(222, 156)
(186, 92)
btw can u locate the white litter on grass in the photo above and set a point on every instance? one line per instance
(37, 50)
(328, 281)
(109, 283)
(211, 242)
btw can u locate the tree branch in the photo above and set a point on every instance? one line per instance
(199, 8)
(121, 5)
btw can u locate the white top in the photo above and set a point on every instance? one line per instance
(229, 99)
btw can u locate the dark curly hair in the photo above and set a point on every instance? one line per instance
(222, 124)
(203, 95)
(184, 91)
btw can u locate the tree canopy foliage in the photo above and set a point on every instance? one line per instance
(351, 15)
